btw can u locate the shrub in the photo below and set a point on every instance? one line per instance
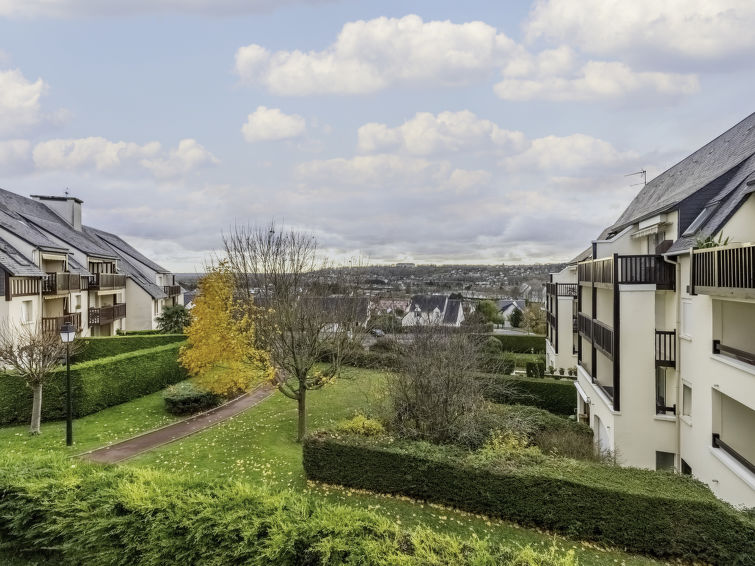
(361, 425)
(493, 346)
(558, 397)
(96, 384)
(185, 398)
(385, 345)
(87, 514)
(522, 343)
(535, 369)
(96, 348)
(643, 511)
(560, 371)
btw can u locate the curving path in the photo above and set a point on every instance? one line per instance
(149, 440)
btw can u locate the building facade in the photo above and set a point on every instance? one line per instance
(55, 270)
(665, 322)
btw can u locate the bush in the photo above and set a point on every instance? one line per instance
(361, 425)
(96, 348)
(185, 398)
(96, 384)
(558, 397)
(656, 513)
(87, 514)
(535, 369)
(385, 345)
(522, 343)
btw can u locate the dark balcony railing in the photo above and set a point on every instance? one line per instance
(53, 324)
(665, 348)
(724, 267)
(574, 324)
(584, 326)
(603, 337)
(633, 270)
(107, 281)
(561, 289)
(107, 314)
(718, 443)
(172, 290)
(735, 353)
(54, 283)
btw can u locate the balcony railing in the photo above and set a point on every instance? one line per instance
(730, 267)
(172, 290)
(584, 326)
(561, 289)
(665, 348)
(107, 314)
(735, 353)
(55, 283)
(599, 333)
(632, 270)
(23, 286)
(718, 443)
(53, 324)
(107, 281)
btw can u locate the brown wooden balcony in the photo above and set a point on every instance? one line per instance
(107, 314)
(665, 348)
(628, 270)
(728, 271)
(172, 290)
(597, 332)
(59, 283)
(106, 281)
(23, 287)
(53, 324)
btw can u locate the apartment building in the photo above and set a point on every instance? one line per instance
(55, 270)
(665, 321)
(561, 318)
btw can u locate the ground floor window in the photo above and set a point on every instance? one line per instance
(686, 469)
(664, 460)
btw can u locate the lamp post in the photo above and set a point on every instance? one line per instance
(67, 334)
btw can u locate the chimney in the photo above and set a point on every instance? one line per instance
(68, 208)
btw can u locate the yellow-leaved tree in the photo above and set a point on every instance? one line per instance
(220, 350)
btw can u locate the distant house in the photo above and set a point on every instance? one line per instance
(507, 306)
(433, 309)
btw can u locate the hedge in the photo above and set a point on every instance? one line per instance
(96, 348)
(88, 514)
(555, 395)
(535, 369)
(522, 343)
(654, 513)
(185, 398)
(96, 384)
(138, 332)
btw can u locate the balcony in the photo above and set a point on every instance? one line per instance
(597, 332)
(59, 283)
(53, 324)
(665, 348)
(107, 281)
(735, 353)
(172, 290)
(23, 286)
(718, 443)
(561, 289)
(107, 314)
(726, 271)
(628, 270)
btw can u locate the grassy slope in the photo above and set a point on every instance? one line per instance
(259, 446)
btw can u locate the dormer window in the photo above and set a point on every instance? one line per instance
(704, 215)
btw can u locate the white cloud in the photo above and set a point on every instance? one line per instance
(427, 134)
(15, 155)
(100, 154)
(702, 30)
(371, 55)
(265, 124)
(598, 80)
(19, 102)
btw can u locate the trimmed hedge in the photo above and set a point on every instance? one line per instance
(522, 344)
(96, 348)
(96, 384)
(535, 369)
(555, 395)
(185, 398)
(653, 513)
(88, 514)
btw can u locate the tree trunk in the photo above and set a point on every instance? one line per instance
(302, 414)
(36, 409)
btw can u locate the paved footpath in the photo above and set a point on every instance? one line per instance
(149, 440)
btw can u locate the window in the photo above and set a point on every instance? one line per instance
(660, 391)
(702, 217)
(664, 460)
(27, 312)
(686, 400)
(77, 302)
(686, 318)
(686, 469)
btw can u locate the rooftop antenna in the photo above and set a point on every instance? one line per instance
(644, 177)
(66, 191)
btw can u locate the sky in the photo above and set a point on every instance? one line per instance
(426, 131)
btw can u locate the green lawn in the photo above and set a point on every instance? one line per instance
(259, 446)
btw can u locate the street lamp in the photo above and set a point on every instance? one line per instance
(67, 334)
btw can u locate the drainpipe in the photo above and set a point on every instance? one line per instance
(677, 347)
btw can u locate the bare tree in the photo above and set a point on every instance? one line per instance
(304, 312)
(31, 353)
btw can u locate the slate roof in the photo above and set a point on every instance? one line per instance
(75, 267)
(451, 315)
(692, 173)
(506, 303)
(79, 240)
(152, 288)
(15, 263)
(120, 245)
(27, 232)
(428, 303)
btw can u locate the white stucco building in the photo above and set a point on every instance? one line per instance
(54, 270)
(665, 340)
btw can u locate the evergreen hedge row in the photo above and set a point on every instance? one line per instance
(96, 348)
(522, 343)
(554, 395)
(96, 384)
(88, 514)
(654, 513)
